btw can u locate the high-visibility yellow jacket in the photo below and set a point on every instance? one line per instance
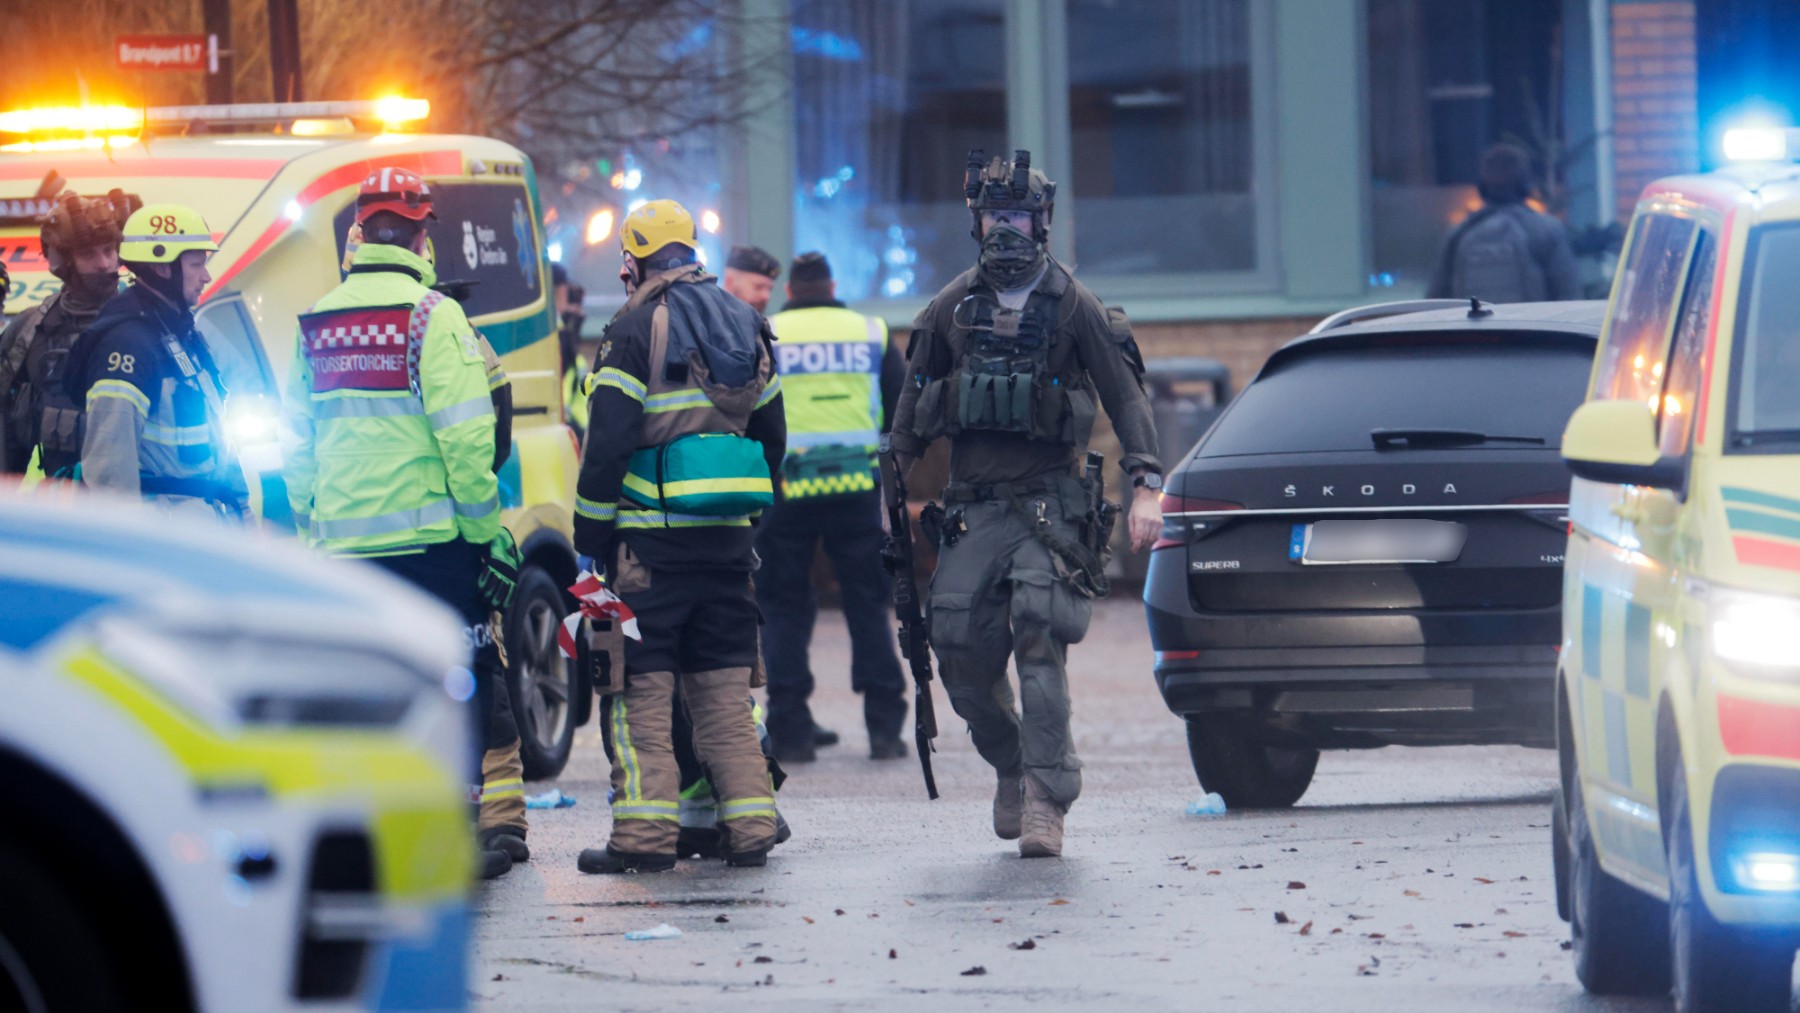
(830, 359)
(389, 439)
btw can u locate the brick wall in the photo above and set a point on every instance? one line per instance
(1655, 130)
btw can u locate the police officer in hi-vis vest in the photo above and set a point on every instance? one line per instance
(840, 378)
(685, 432)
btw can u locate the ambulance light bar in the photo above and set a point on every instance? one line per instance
(392, 110)
(1761, 144)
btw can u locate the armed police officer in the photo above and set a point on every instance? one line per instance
(389, 450)
(154, 398)
(685, 434)
(80, 239)
(1007, 363)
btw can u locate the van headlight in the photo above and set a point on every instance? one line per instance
(1755, 633)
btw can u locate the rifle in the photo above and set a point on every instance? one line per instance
(915, 642)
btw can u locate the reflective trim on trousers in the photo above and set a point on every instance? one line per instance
(474, 408)
(365, 407)
(645, 811)
(658, 519)
(594, 510)
(626, 751)
(384, 524)
(741, 808)
(699, 813)
(472, 510)
(511, 787)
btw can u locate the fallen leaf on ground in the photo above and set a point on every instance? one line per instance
(1465, 925)
(1363, 971)
(838, 911)
(1281, 918)
(807, 920)
(1375, 935)
(998, 920)
(1028, 944)
(551, 918)
(1510, 934)
(893, 954)
(498, 977)
(1412, 893)
(1058, 902)
(1483, 879)
(721, 919)
(763, 960)
(1214, 872)
(911, 904)
(582, 918)
(974, 971)
(1306, 930)
(1294, 884)
(1337, 932)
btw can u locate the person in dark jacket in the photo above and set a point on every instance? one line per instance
(1506, 252)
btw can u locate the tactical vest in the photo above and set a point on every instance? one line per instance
(1011, 372)
(694, 467)
(42, 414)
(830, 364)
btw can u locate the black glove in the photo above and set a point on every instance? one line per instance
(500, 572)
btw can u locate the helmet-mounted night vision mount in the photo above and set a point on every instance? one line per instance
(997, 185)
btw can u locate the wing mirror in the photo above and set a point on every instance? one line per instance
(1615, 441)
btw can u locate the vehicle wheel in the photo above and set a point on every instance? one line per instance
(1247, 774)
(542, 682)
(51, 956)
(1559, 852)
(1716, 967)
(1618, 932)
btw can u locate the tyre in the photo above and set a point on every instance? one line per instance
(1716, 968)
(1619, 933)
(52, 957)
(1559, 852)
(1246, 773)
(542, 682)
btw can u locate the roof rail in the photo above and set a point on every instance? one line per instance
(386, 110)
(1357, 314)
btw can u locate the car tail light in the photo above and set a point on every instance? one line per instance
(1175, 528)
(1162, 656)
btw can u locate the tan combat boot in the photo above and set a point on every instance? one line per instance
(1007, 803)
(1042, 824)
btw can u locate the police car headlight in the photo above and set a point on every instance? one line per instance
(1754, 633)
(228, 678)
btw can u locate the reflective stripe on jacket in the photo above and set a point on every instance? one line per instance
(389, 425)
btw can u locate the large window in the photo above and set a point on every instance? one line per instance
(1636, 343)
(889, 96)
(1163, 152)
(1765, 412)
(1448, 78)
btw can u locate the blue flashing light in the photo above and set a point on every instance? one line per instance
(829, 45)
(556, 252)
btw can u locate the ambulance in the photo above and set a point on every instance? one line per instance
(1677, 817)
(236, 773)
(277, 184)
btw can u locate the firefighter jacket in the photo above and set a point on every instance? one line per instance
(154, 403)
(1016, 391)
(388, 441)
(839, 379)
(716, 376)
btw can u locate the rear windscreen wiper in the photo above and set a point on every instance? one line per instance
(1385, 438)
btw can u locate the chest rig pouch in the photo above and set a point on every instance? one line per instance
(1006, 379)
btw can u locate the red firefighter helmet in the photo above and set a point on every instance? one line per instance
(392, 189)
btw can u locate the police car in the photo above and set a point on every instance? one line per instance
(278, 183)
(236, 774)
(1677, 821)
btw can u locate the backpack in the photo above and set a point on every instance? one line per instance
(1491, 258)
(33, 409)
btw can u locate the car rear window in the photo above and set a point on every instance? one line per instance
(1331, 398)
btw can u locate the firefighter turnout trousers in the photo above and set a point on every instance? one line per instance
(996, 593)
(699, 629)
(449, 571)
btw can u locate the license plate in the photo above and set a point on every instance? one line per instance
(1341, 543)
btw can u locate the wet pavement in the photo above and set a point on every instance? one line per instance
(1405, 879)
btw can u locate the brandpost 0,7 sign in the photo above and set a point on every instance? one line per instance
(164, 52)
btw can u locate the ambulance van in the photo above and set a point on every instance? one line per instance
(277, 184)
(1677, 819)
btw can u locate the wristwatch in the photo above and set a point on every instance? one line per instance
(1150, 480)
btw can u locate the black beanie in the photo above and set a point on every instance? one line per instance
(754, 259)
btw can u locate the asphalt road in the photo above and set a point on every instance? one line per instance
(1406, 879)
